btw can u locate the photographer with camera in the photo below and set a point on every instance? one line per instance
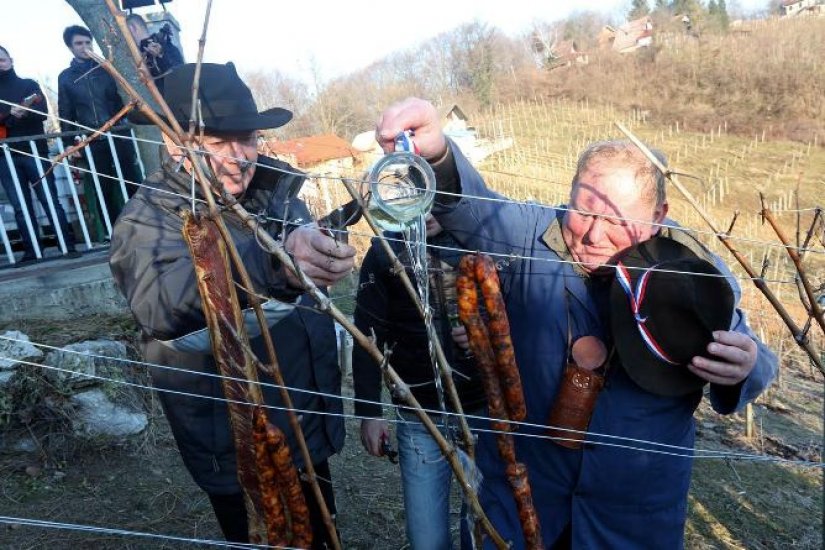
(159, 53)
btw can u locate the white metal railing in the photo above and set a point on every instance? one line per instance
(27, 206)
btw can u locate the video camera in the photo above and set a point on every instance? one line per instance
(163, 37)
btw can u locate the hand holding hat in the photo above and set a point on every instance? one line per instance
(670, 315)
(733, 356)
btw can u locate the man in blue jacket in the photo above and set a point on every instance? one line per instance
(610, 493)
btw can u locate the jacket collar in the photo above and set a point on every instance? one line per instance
(554, 240)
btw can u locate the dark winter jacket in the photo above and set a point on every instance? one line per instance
(383, 305)
(152, 267)
(86, 94)
(16, 89)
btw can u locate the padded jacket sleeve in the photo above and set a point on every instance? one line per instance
(370, 314)
(152, 267)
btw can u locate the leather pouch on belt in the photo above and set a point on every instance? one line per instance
(574, 404)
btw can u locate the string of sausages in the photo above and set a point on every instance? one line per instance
(226, 326)
(495, 358)
(285, 508)
(274, 497)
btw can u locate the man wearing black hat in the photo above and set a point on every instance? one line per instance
(152, 267)
(651, 345)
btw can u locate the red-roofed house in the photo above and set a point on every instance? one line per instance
(629, 37)
(566, 53)
(319, 154)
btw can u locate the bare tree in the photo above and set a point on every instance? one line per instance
(272, 88)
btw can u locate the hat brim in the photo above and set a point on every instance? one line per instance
(266, 120)
(641, 365)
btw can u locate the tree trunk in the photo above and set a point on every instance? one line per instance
(102, 25)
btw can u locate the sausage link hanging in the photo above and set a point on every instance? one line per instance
(495, 358)
(480, 341)
(274, 514)
(517, 476)
(499, 329)
(290, 486)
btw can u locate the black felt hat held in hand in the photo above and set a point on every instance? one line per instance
(665, 304)
(227, 105)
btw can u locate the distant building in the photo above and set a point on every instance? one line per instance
(629, 37)
(796, 8)
(457, 127)
(567, 53)
(327, 156)
(318, 154)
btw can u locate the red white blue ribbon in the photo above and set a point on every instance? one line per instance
(405, 144)
(636, 300)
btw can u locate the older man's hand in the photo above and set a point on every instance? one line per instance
(733, 358)
(417, 115)
(320, 257)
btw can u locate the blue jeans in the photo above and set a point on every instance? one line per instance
(426, 477)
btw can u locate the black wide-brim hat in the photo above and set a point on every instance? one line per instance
(226, 103)
(682, 299)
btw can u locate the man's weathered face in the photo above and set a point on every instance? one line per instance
(5, 61)
(79, 45)
(608, 213)
(233, 158)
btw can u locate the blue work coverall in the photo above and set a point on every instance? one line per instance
(618, 491)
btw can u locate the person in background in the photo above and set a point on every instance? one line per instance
(15, 122)
(384, 308)
(88, 96)
(159, 53)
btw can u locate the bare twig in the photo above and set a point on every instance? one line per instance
(173, 130)
(175, 133)
(732, 223)
(815, 310)
(394, 382)
(197, 79)
(80, 145)
(804, 248)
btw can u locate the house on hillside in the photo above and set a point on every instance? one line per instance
(324, 155)
(797, 8)
(567, 53)
(550, 53)
(455, 120)
(629, 37)
(318, 154)
(457, 127)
